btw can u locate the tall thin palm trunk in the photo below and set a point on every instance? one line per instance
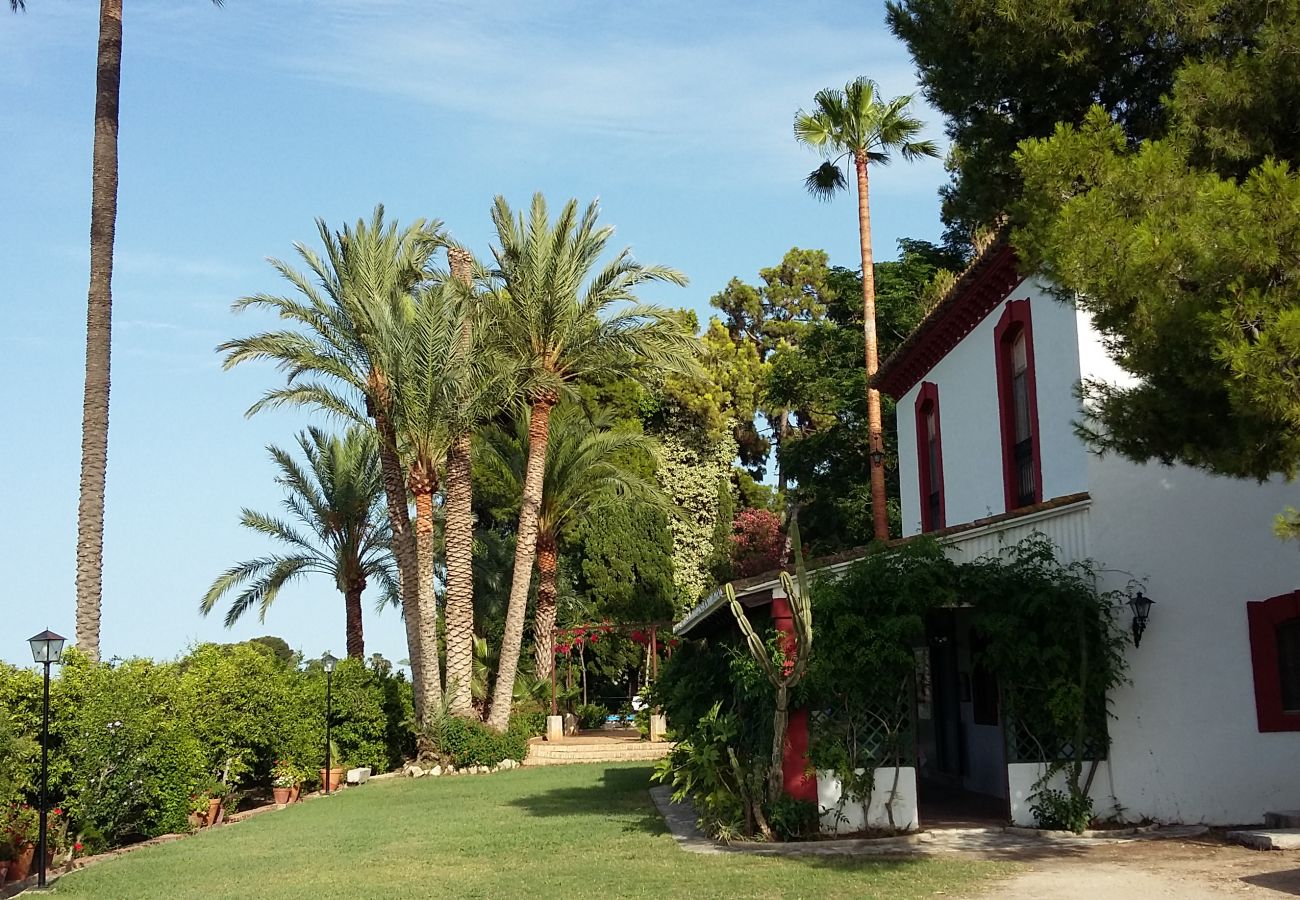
(544, 616)
(875, 430)
(459, 541)
(399, 519)
(422, 486)
(352, 605)
(521, 579)
(99, 326)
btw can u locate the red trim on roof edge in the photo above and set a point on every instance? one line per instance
(988, 282)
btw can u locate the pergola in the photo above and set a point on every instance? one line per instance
(590, 632)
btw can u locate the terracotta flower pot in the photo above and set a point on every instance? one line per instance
(214, 808)
(281, 795)
(21, 864)
(294, 793)
(335, 777)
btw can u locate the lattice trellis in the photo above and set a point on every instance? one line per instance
(884, 729)
(1026, 747)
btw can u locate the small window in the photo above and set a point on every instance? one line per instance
(1275, 659)
(929, 451)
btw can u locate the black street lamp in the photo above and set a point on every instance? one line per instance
(47, 648)
(328, 661)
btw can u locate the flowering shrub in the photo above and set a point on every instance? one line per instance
(756, 541)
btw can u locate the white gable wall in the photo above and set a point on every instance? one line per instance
(970, 419)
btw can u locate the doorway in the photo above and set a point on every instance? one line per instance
(961, 747)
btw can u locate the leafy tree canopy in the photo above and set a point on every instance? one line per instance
(1186, 251)
(626, 569)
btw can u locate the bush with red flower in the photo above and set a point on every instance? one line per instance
(756, 541)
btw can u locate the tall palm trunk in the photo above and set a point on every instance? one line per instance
(99, 327)
(544, 615)
(399, 520)
(875, 433)
(459, 540)
(352, 604)
(521, 579)
(422, 486)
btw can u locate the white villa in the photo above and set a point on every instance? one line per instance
(1208, 729)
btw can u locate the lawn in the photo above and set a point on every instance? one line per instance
(562, 831)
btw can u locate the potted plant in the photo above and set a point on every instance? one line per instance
(198, 809)
(6, 857)
(301, 774)
(22, 825)
(335, 774)
(283, 778)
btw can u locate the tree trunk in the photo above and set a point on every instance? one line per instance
(521, 579)
(458, 536)
(99, 328)
(544, 615)
(399, 519)
(875, 433)
(780, 724)
(352, 603)
(431, 689)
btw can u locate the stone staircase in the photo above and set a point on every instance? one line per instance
(593, 747)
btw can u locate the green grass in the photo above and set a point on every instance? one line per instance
(562, 831)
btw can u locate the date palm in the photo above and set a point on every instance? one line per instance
(346, 303)
(337, 527)
(445, 379)
(553, 311)
(856, 126)
(99, 324)
(588, 468)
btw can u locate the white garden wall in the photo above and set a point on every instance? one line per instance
(1022, 779)
(902, 797)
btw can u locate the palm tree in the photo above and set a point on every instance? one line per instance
(856, 125)
(443, 382)
(339, 500)
(345, 309)
(99, 323)
(587, 469)
(458, 532)
(550, 311)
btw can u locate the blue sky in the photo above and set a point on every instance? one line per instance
(242, 124)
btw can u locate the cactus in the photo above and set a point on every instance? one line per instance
(784, 673)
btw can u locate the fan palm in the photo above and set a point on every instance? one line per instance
(856, 125)
(551, 311)
(587, 469)
(346, 304)
(99, 324)
(338, 527)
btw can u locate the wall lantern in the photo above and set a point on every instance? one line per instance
(1141, 605)
(877, 458)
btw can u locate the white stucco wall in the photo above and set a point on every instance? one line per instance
(1186, 744)
(1022, 778)
(851, 818)
(969, 416)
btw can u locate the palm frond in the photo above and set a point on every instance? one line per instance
(825, 181)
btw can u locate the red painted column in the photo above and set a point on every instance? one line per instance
(799, 784)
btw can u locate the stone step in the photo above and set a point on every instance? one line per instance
(542, 754)
(1287, 818)
(1268, 838)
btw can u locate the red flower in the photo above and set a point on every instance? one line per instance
(58, 810)
(594, 638)
(77, 847)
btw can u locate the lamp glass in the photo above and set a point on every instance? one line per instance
(328, 661)
(1141, 605)
(47, 647)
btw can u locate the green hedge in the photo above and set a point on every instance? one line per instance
(131, 743)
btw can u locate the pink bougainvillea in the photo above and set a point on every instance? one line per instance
(756, 541)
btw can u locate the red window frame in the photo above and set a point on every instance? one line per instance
(927, 401)
(1264, 617)
(1015, 319)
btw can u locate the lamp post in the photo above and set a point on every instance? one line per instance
(47, 648)
(328, 661)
